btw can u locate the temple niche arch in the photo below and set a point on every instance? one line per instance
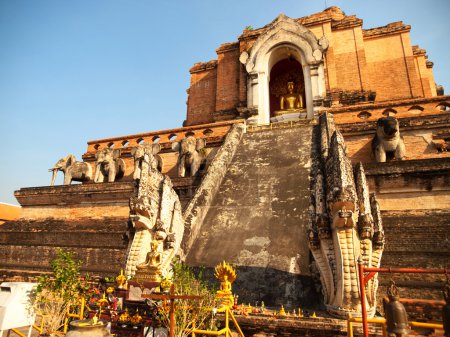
(284, 39)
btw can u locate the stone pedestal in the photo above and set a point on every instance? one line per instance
(288, 115)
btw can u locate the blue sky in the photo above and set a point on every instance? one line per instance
(79, 70)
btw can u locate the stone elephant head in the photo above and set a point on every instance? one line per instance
(189, 155)
(73, 170)
(108, 166)
(145, 152)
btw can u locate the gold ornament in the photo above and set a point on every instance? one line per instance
(103, 302)
(226, 274)
(121, 280)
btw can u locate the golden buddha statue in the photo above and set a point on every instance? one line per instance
(290, 102)
(226, 275)
(225, 285)
(150, 270)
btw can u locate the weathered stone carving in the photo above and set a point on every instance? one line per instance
(189, 155)
(346, 224)
(73, 170)
(139, 153)
(109, 166)
(156, 216)
(388, 140)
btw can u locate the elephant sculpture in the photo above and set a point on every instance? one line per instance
(388, 140)
(108, 166)
(139, 153)
(189, 155)
(73, 170)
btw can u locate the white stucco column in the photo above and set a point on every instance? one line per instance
(314, 81)
(252, 95)
(321, 81)
(263, 99)
(308, 92)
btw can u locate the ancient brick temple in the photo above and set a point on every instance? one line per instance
(308, 143)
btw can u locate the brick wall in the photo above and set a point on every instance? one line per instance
(346, 60)
(416, 239)
(202, 94)
(28, 246)
(228, 71)
(386, 67)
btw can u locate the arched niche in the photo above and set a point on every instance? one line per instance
(282, 71)
(284, 38)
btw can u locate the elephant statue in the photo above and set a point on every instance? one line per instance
(73, 170)
(189, 155)
(387, 140)
(108, 165)
(139, 152)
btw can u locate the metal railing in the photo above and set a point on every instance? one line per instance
(225, 331)
(382, 321)
(77, 314)
(371, 272)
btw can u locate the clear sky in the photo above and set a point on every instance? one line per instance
(78, 70)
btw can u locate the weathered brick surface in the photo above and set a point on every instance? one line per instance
(104, 233)
(421, 185)
(416, 239)
(91, 220)
(29, 246)
(98, 261)
(390, 66)
(202, 96)
(346, 60)
(227, 94)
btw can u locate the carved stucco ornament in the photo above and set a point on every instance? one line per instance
(155, 212)
(286, 30)
(243, 57)
(346, 224)
(317, 54)
(324, 43)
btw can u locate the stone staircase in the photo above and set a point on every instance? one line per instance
(258, 219)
